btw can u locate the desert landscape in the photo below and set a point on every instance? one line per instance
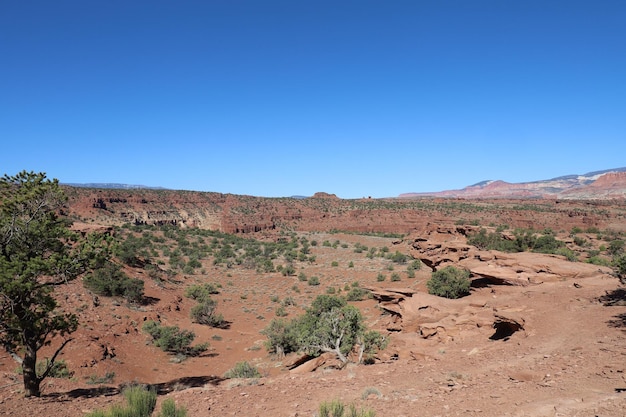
(540, 334)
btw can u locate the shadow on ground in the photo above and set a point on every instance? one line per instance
(162, 388)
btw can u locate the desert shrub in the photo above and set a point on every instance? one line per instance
(619, 263)
(140, 400)
(288, 301)
(281, 337)
(329, 325)
(302, 277)
(395, 277)
(416, 265)
(569, 254)
(201, 292)
(174, 340)
(491, 241)
(580, 241)
(410, 273)
(597, 260)
(140, 403)
(111, 281)
(281, 312)
(334, 264)
(616, 247)
(380, 277)
(336, 408)
(289, 270)
(547, 244)
(314, 281)
(169, 409)
(127, 251)
(399, 258)
(204, 313)
(357, 294)
(243, 370)
(449, 282)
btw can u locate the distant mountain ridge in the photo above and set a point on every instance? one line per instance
(115, 186)
(605, 184)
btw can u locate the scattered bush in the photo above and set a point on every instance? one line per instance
(336, 408)
(174, 340)
(314, 281)
(140, 403)
(243, 370)
(449, 282)
(111, 281)
(357, 294)
(169, 409)
(204, 313)
(201, 292)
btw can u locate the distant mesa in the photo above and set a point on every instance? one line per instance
(606, 184)
(321, 194)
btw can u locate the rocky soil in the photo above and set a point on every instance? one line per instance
(537, 336)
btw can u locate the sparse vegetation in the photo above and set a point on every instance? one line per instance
(336, 408)
(242, 370)
(174, 340)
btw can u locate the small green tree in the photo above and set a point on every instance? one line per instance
(38, 253)
(449, 282)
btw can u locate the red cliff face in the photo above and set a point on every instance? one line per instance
(611, 180)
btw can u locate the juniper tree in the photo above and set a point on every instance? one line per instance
(38, 253)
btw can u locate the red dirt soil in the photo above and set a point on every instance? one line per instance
(568, 361)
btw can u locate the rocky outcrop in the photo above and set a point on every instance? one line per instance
(441, 246)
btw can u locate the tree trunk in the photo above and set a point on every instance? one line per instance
(29, 370)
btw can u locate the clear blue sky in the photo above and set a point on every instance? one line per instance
(280, 98)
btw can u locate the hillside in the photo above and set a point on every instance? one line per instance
(563, 355)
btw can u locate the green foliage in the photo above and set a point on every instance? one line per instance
(174, 340)
(289, 270)
(38, 253)
(569, 254)
(111, 281)
(201, 292)
(525, 240)
(314, 281)
(449, 282)
(169, 409)
(597, 260)
(399, 258)
(616, 247)
(619, 263)
(395, 277)
(357, 294)
(416, 265)
(281, 337)
(140, 400)
(329, 325)
(140, 403)
(336, 408)
(380, 277)
(204, 313)
(242, 370)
